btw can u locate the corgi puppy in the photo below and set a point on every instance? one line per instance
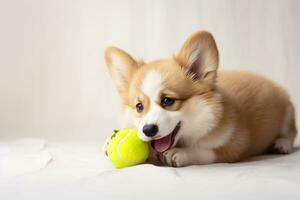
(192, 114)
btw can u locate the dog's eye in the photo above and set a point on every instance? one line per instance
(167, 101)
(139, 107)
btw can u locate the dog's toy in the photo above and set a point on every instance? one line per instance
(126, 149)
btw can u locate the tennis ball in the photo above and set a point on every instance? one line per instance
(126, 149)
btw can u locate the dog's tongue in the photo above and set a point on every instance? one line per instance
(162, 144)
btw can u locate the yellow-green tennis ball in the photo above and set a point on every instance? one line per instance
(126, 149)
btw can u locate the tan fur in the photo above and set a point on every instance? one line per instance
(256, 110)
(261, 107)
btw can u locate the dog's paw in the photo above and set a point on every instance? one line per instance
(175, 158)
(283, 146)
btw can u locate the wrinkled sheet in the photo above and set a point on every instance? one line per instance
(81, 171)
(22, 156)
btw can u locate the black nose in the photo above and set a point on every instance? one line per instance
(150, 130)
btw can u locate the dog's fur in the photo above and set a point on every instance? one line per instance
(224, 116)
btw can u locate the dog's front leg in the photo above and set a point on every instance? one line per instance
(180, 157)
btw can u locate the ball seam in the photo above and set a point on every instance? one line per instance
(119, 153)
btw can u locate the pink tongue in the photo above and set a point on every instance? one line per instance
(162, 144)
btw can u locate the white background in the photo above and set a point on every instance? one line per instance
(53, 80)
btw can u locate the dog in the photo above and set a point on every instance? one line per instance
(192, 114)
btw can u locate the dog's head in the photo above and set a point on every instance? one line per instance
(166, 99)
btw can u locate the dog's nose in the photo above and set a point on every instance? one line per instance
(150, 130)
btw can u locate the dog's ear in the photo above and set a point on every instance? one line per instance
(121, 67)
(199, 55)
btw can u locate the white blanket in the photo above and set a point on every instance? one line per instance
(81, 171)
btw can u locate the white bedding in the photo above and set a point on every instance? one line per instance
(81, 171)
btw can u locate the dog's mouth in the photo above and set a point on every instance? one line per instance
(165, 143)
